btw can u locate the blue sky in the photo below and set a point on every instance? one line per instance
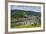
(27, 8)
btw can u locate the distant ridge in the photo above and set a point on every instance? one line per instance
(27, 12)
(23, 10)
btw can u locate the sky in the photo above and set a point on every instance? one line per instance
(26, 8)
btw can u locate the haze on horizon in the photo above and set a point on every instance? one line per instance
(26, 8)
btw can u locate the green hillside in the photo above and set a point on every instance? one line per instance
(20, 13)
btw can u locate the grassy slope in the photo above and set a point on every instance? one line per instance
(28, 26)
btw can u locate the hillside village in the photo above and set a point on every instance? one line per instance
(28, 20)
(25, 17)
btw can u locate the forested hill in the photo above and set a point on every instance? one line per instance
(21, 12)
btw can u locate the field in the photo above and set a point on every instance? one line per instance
(28, 26)
(25, 19)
